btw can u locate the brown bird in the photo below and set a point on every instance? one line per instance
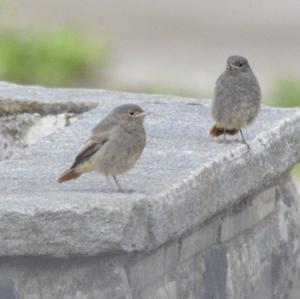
(114, 147)
(237, 98)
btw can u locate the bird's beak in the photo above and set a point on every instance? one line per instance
(232, 66)
(140, 115)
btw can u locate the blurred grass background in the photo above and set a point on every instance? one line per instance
(57, 58)
(285, 92)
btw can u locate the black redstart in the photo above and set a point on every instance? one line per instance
(114, 147)
(237, 98)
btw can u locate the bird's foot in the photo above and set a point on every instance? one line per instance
(244, 141)
(248, 146)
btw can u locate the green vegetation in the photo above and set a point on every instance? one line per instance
(296, 171)
(58, 58)
(286, 92)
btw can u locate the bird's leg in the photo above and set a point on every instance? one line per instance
(108, 179)
(224, 135)
(117, 183)
(244, 140)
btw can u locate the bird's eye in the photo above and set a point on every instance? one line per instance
(130, 113)
(239, 64)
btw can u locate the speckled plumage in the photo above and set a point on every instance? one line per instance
(237, 96)
(115, 145)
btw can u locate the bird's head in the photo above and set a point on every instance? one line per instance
(130, 113)
(237, 64)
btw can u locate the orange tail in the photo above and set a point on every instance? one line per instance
(215, 131)
(69, 174)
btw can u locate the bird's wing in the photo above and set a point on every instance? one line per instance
(100, 135)
(92, 146)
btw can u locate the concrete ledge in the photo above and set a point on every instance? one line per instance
(259, 261)
(184, 178)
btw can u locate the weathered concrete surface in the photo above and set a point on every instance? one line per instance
(205, 220)
(183, 174)
(23, 123)
(18, 131)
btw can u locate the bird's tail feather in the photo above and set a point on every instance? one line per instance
(69, 174)
(216, 131)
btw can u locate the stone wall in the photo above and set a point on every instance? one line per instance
(205, 220)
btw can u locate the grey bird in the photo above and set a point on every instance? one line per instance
(114, 147)
(237, 98)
